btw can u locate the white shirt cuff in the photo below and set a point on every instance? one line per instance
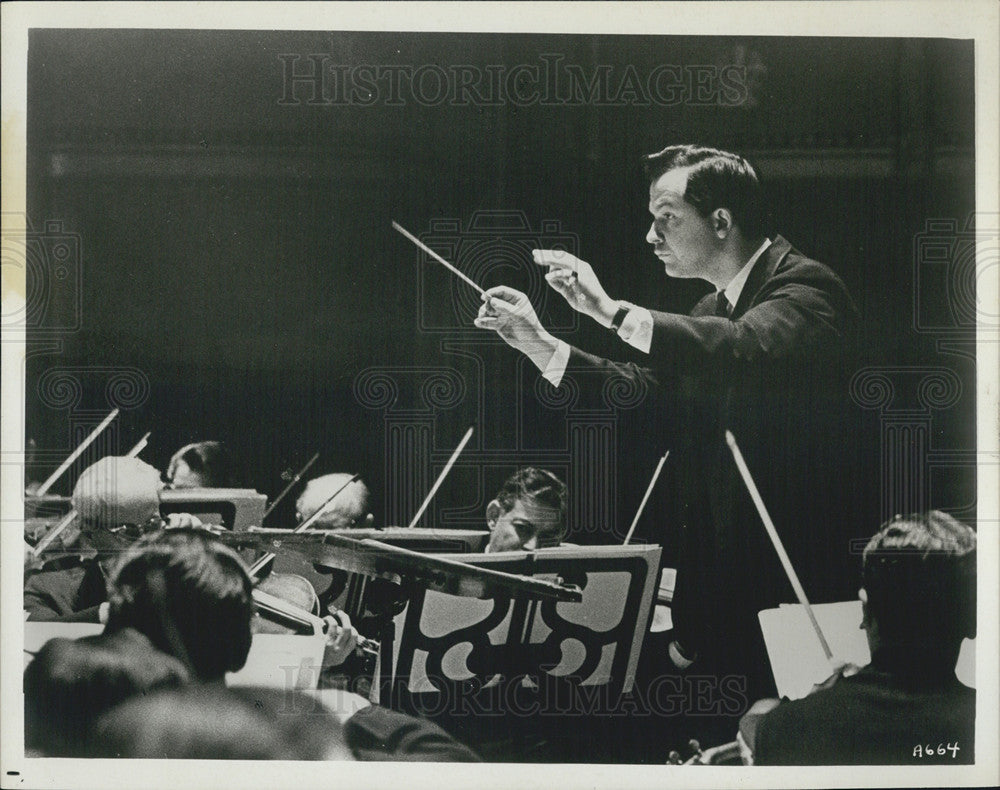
(637, 329)
(556, 368)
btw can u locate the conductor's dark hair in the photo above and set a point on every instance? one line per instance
(718, 179)
(919, 572)
(538, 485)
(190, 595)
(211, 460)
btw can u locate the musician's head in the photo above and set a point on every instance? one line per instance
(348, 509)
(117, 499)
(190, 595)
(919, 586)
(71, 682)
(705, 203)
(201, 465)
(528, 512)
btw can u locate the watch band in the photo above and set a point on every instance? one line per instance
(616, 322)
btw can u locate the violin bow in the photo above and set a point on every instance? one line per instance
(779, 547)
(58, 529)
(258, 566)
(294, 481)
(440, 478)
(44, 487)
(645, 498)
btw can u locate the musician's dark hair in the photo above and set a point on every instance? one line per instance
(717, 179)
(535, 484)
(919, 573)
(212, 460)
(190, 594)
(73, 681)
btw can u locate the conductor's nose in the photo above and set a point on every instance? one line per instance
(653, 236)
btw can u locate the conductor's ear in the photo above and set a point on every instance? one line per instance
(722, 222)
(493, 512)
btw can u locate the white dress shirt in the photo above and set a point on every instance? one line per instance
(637, 327)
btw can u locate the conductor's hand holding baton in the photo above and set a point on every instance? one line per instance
(509, 313)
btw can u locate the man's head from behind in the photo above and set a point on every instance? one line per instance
(919, 577)
(528, 512)
(117, 499)
(348, 509)
(72, 681)
(703, 200)
(201, 465)
(190, 595)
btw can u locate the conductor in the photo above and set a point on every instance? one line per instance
(763, 355)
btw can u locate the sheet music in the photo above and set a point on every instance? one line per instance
(797, 659)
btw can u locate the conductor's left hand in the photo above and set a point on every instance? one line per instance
(577, 283)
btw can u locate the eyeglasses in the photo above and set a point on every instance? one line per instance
(136, 531)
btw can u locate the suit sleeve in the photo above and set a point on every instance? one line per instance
(790, 318)
(48, 597)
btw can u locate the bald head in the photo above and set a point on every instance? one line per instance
(348, 509)
(117, 490)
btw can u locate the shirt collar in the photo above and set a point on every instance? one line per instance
(735, 287)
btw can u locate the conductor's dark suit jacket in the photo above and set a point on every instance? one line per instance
(775, 374)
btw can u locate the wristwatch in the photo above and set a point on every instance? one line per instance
(616, 322)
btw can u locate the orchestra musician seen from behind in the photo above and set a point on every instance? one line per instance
(117, 500)
(907, 706)
(201, 465)
(348, 510)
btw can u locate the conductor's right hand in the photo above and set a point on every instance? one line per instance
(509, 313)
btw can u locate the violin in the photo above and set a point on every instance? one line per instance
(731, 753)
(286, 603)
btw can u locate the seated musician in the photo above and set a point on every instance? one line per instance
(116, 500)
(348, 509)
(192, 597)
(196, 722)
(201, 465)
(906, 706)
(528, 512)
(199, 723)
(71, 682)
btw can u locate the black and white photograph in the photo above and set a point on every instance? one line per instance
(605, 393)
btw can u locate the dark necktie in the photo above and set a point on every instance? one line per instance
(721, 305)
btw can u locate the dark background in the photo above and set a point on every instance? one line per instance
(232, 256)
